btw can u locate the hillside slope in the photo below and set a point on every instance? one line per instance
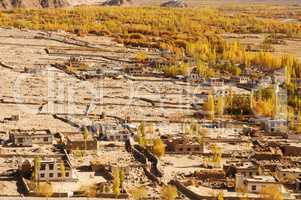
(10, 4)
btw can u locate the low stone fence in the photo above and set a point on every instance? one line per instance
(151, 176)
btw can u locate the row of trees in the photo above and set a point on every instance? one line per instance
(194, 32)
(227, 104)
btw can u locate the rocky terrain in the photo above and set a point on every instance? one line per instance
(10, 4)
(118, 3)
(174, 4)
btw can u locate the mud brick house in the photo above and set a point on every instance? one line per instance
(118, 136)
(216, 82)
(76, 61)
(26, 138)
(135, 70)
(275, 125)
(183, 146)
(50, 170)
(245, 169)
(288, 173)
(195, 76)
(291, 149)
(114, 132)
(256, 183)
(77, 142)
(241, 79)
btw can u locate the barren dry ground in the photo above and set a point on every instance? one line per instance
(51, 91)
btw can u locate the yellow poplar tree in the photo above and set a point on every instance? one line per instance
(116, 182)
(209, 107)
(169, 192)
(220, 106)
(159, 147)
(271, 193)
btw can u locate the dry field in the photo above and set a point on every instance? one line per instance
(50, 91)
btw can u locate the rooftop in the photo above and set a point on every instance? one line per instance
(78, 138)
(262, 179)
(30, 132)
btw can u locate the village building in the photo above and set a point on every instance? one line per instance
(216, 82)
(265, 81)
(183, 146)
(279, 76)
(291, 149)
(241, 79)
(76, 61)
(50, 170)
(26, 138)
(11, 118)
(195, 77)
(275, 125)
(114, 132)
(247, 169)
(135, 70)
(118, 136)
(257, 183)
(288, 173)
(78, 142)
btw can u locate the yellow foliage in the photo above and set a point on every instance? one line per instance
(89, 191)
(159, 147)
(271, 192)
(169, 192)
(138, 193)
(45, 189)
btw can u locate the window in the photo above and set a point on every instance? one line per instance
(42, 175)
(67, 174)
(284, 174)
(43, 166)
(50, 166)
(59, 175)
(20, 140)
(188, 149)
(51, 175)
(197, 149)
(253, 187)
(181, 149)
(45, 139)
(250, 173)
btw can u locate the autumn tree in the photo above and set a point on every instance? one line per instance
(216, 154)
(141, 56)
(36, 171)
(159, 147)
(196, 131)
(141, 134)
(220, 106)
(116, 181)
(168, 192)
(88, 191)
(138, 193)
(121, 177)
(45, 189)
(208, 107)
(271, 192)
(220, 196)
(85, 135)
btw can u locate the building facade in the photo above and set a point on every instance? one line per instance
(78, 142)
(26, 138)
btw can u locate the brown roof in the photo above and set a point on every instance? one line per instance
(78, 138)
